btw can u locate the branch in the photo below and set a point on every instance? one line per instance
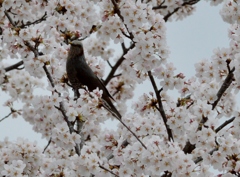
(34, 50)
(161, 110)
(12, 111)
(224, 124)
(102, 167)
(159, 6)
(119, 62)
(9, 18)
(14, 66)
(199, 159)
(167, 174)
(125, 143)
(49, 76)
(227, 82)
(117, 11)
(190, 2)
(188, 148)
(6, 117)
(43, 18)
(49, 142)
(61, 108)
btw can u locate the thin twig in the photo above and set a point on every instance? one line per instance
(227, 82)
(49, 142)
(159, 6)
(161, 110)
(43, 18)
(119, 62)
(102, 167)
(117, 11)
(109, 63)
(199, 159)
(48, 75)
(191, 2)
(35, 51)
(224, 124)
(6, 116)
(9, 18)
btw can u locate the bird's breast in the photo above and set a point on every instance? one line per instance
(72, 74)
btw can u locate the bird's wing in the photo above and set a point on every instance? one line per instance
(87, 77)
(104, 87)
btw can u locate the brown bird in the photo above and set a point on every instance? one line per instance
(80, 74)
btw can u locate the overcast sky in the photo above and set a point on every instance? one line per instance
(189, 40)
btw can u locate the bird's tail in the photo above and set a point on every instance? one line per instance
(107, 104)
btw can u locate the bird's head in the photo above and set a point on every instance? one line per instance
(76, 43)
(76, 47)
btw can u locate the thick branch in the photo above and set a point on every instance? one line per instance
(119, 62)
(161, 110)
(14, 66)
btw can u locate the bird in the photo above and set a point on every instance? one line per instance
(80, 74)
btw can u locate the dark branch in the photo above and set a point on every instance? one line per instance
(224, 124)
(49, 142)
(117, 11)
(188, 148)
(190, 2)
(160, 6)
(199, 159)
(12, 111)
(6, 116)
(48, 75)
(14, 66)
(119, 62)
(227, 82)
(161, 110)
(10, 19)
(43, 18)
(102, 167)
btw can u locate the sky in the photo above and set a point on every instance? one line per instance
(190, 40)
